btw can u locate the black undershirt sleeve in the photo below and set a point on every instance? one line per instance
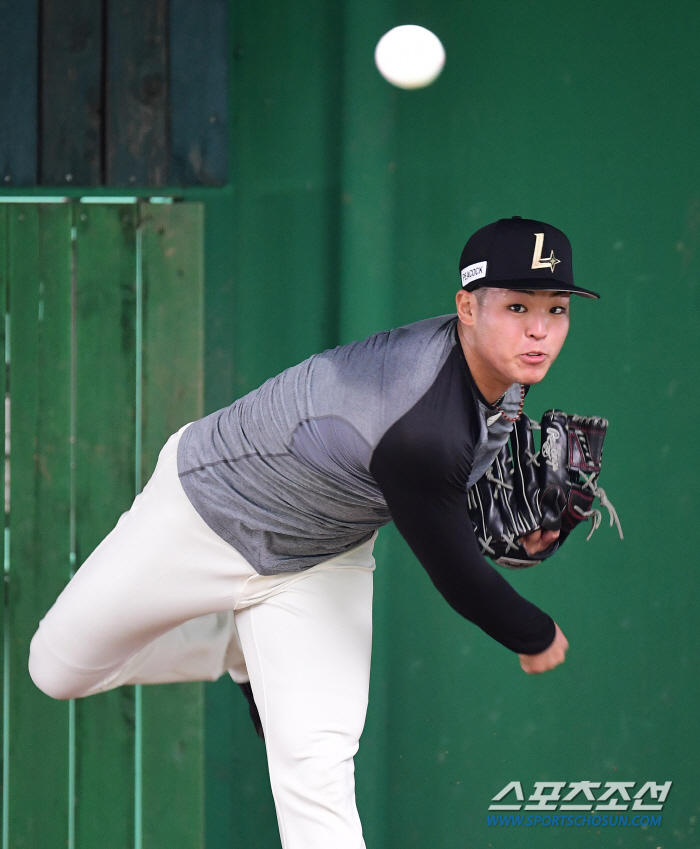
(440, 535)
(423, 484)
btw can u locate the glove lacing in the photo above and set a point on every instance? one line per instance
(491, 477)
(595, 515)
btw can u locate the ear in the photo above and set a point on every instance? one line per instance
(466, 307)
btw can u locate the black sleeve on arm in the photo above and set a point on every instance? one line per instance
(422, 482)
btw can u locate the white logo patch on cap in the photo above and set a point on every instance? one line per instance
(473, 272)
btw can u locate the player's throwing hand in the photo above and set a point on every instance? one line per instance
(547, 659)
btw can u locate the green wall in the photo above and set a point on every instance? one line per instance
(103, 360)
(348, 206)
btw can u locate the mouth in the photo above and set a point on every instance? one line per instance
(533, 357)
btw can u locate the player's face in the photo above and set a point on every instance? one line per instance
(510, 336)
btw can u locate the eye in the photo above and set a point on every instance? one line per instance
(558, 310)
(517, 308)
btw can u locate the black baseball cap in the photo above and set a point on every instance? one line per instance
(519, 253)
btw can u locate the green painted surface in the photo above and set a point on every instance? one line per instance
(39, 298)
(72, 374)
(173, 765)
(105, 301)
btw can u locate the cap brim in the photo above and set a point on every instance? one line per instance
(549, 287)
(535, 284)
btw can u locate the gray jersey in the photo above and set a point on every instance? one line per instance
(283, 474)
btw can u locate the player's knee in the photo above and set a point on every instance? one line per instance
(318, 768)
(49, 682)
(331, 777)
(51, 676)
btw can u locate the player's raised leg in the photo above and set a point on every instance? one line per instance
(125, 615)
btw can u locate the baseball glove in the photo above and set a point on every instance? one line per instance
(553, 488)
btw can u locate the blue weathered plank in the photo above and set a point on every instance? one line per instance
(18, 92)
(198, 53)
(71, 93)
(137, 137)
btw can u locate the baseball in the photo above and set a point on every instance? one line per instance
(409, 56)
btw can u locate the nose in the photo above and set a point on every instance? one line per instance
(537, 327)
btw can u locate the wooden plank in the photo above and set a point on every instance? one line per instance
(173, 273)
(39, 303)
(137, 93)
(173, 766)
(18, 92)
(5, 619)
(71, 93)
(172, 238)
(105, 394)
(198, 58)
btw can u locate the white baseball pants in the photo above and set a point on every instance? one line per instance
(164, 599)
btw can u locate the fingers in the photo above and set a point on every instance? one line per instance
(538, 540)
(531, 541)
(535, 664)
(548, 538)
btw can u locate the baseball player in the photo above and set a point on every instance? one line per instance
(250, 549)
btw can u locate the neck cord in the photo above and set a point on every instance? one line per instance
(520, 408)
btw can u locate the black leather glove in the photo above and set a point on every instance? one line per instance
(552, 489)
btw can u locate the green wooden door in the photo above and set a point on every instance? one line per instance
(103, 354)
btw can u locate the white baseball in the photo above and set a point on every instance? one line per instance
(409, 56)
